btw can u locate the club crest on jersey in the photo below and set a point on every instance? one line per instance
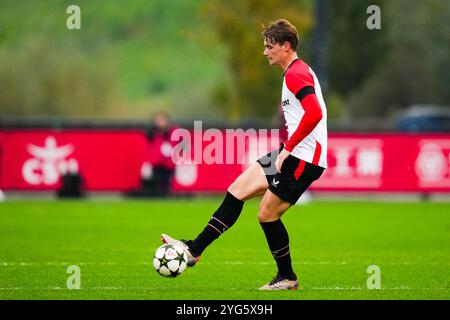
(285, 102)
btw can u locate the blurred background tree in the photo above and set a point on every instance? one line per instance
(45, 79)
(252, 87)
(203, 59)
(354, 51)
(149, 54)
(415, 64)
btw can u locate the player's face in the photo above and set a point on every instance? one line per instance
(274, 52)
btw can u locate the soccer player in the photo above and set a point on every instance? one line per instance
(282, 175)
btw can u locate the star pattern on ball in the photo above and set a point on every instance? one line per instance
(180, 257)
(164, 261)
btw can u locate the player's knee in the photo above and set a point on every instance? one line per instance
(236, 191)
(240, 191)
(264, 214)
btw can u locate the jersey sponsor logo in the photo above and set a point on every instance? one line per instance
(285, 102)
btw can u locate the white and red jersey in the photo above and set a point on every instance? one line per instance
(305, 113)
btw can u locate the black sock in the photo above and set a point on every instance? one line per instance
(278, 240)
(221, 221)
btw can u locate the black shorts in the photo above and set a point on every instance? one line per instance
(295, 177)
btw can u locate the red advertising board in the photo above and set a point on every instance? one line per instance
(112, 160)
(387, 162)
(35, 160)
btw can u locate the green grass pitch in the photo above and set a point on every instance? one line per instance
(332, 245)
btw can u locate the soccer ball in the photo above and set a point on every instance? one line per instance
(170, 260)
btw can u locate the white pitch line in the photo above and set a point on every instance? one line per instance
(236, 262)
(336, 288)
(28, 264)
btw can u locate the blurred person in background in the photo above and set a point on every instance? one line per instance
(158, 169)
(72, 184)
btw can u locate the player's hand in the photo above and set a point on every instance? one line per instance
(280, 159)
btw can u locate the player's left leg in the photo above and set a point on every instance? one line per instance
(284, 190)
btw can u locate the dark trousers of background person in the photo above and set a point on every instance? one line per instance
(160, 183)
(71, 186)
(157, 186)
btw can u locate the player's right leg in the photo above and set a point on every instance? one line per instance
(251, 183)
